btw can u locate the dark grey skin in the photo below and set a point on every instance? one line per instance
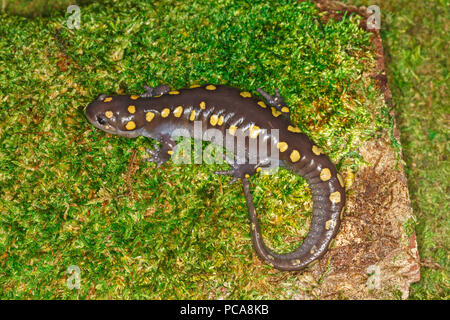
(235, 108)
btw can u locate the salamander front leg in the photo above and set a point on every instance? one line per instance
(161, 155)
(152, 92)
(276, 102)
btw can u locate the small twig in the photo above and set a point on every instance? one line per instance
(429, 263)
(130, 172)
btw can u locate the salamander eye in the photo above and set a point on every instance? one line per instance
(101, 119)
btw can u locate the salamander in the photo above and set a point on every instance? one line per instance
(160, 112)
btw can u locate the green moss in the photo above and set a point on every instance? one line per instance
(38, 8)
(415, 41)
(71, 195)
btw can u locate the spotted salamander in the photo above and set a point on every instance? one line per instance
(159, 111)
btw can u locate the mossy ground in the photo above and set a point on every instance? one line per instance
(415, 36)
(72, 195)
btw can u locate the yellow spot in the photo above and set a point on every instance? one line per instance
(178, 111)
(165, 112)
(203, 105)
(213, 120)
(170, 152)
(262, 104)
(192, 116)
(254, 132)
(134, 97)
(109, 114)
(174, 92)
(247, 175)
(295, 156)
(149, 116)
(258, 169)
(296, 262)
(342, 213)
(341, 181)
(282, 146)
(275, 112)
(294, 129)
(329, 224)
(232, 130)
(131, 109)
(130, 125)
(195, 86)
(313, 249)
(107, 99)
(325, 174)
(157, 96)
(349, 178)
(270, 257)
(316, 150)
(220, 121)
(285, 109)
(210, 87)
(246, 94)
(335, 197)
(253, 226)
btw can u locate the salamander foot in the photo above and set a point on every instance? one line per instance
(159, 90)
(240, 171)
(276, 101)
(161, 155)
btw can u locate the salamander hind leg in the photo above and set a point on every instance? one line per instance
(161, 155)
(240, 171)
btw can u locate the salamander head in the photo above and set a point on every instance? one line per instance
(112, 115)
